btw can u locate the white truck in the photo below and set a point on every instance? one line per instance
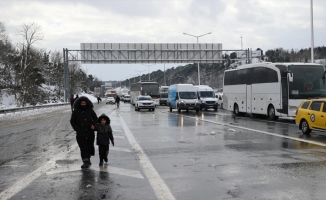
(206, 97)
(164, 95)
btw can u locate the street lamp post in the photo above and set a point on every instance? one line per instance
(140, 73)
(134, 77)
(197, 43)
(149, 74)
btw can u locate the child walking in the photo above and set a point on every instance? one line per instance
(103, 137)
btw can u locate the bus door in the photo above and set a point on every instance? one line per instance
(249, 99)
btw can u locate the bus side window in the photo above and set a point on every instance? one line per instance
(245, 76)
(271, 76)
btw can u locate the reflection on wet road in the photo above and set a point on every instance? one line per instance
(209, 155)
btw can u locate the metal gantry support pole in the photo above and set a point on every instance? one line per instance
(66, 75)
(68, 78)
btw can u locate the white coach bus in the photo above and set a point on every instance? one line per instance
(272, 89)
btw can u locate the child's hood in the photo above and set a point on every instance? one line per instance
(103, 116)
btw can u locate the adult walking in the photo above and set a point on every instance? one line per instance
(83, 120)
(98, 100)
(72, 100)
(117, 100)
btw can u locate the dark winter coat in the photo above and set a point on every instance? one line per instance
(104, 132)
(117, 99)
(82, 119)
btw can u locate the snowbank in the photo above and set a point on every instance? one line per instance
(7, 101)
(31, 114)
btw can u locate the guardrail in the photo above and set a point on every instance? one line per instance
(20, 109)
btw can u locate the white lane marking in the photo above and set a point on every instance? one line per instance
(120, 137)
(105, 168)
(258, 131)
(118, 130)
(24, 182)
(160, 188)
(119, 149)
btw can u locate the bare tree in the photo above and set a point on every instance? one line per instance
(31, 34)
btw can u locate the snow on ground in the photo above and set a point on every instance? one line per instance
(31, 114)
(7, 101)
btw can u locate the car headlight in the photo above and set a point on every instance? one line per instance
(182, 101)
(293, 108)
(196, 101)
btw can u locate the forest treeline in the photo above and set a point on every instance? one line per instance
(33, 74)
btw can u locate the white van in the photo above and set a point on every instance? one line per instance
(206, 97)
(183, 97)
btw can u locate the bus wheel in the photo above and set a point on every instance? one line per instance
(305, 127)
(170, 109)
(236, 110)
(271, 113)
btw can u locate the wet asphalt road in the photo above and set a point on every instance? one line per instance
(163, 155)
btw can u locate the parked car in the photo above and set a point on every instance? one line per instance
(110, 100)
(144, 102)
(126, 98)
(311, 115)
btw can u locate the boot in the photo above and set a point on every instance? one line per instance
(85, 165)
(101, 162)
(106, 159)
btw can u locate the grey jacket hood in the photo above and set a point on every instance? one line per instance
(108, 121)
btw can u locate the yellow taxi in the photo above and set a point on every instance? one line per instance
(311, 115)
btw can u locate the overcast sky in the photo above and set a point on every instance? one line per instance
(267, 24)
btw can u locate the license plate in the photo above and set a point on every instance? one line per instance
(190, 107)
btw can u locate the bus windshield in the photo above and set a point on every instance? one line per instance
(164, 95)
(188, 95)
(150, 89)
(307, 82)
(205, 94)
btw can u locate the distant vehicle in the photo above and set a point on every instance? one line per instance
(111, 93)
(311, 115)
(164, 95)
(183, 97)
(122, 96)
(110, 100)
(144, 102)
(126, 98)
(219, 97)
(272, 89)
(206, 97)
(145, 89)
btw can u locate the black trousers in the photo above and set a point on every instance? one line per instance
(86, 146)
(103, 151)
